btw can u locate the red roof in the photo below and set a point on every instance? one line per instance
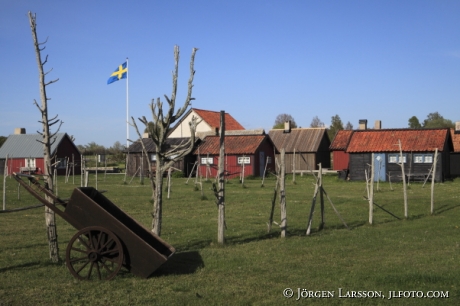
(455, 140)
(233, 144)
(213, 119)
(341, 140)
(415, 140)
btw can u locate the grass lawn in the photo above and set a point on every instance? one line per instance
(420, 255)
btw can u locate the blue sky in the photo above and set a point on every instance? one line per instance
(375, 60)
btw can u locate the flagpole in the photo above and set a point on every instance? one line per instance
(127, 105)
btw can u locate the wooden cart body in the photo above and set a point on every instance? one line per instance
(143, 251)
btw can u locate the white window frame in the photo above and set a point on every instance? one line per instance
(244, 159)
(396, 158)
(153, 157)
(62, 163)
(418, 159)
(207, 160)
(269, 159)
(30, 163)
(428, 159)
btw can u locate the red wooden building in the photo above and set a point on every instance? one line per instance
(243, 153)
(340, 158)
(25, 153)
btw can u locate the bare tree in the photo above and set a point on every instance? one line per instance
(48, 138)
(316, 123)
(158, 130)
(281, 119)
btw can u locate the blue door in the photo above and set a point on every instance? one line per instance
(261, 162)
(379, 167)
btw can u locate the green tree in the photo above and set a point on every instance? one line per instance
(2, 140)
(336, 125)
(281, 119)
(414, 123)
(435, 120)
(348, 126)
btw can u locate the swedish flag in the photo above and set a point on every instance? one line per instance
(120, 73)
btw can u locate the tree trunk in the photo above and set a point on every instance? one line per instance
(221, 216)
(158, 199)
(50, 219)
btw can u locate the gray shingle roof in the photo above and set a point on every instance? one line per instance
(26, 145)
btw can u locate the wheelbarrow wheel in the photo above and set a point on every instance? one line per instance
(94, 253)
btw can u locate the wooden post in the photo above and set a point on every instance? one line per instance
(435, 161)
(283, 195)
(96, 168)
(169, 181)
(5, 174)
(404, 179)
(371, 191)
(293, 168)
(73, 169)
(221, 200)
(272, 211)
(321, 195)
(82, 171)
(265, 171)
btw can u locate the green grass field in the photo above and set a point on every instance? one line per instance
(420, 255)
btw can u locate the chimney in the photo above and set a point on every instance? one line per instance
(363, 124)
(287, 126)
(145, 135)
(378, 125)
(457, 127)
(19, 131)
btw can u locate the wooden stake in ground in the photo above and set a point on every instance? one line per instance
(319, 188)
(371, 191)
(283, 195)
(221, 192)
(401, 163)
(272, 211)
(5, 174)
(435, 161)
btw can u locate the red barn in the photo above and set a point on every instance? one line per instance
(245, 151)
(25, 153)
(340, 158)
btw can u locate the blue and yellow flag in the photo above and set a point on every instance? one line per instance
(120, 73)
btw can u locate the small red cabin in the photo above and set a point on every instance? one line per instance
(245, 154)
(25, 154)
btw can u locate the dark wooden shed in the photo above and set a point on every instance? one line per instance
(137, 161)
(455, 154)
(304, 148)
(418, 148)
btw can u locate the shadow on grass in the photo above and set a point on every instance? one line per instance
(181, 263)
(26, 265)
(444, 208)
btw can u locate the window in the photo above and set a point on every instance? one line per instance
(396, 158)
(269, 159)
(153, 157)
(423, 158)
(30, 162)
(62, 163)
(244, 160)
(207, 160)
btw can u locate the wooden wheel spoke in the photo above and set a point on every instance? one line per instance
(106, 243)
(110, 252)
(78, 259)
(98, 271)
(107, 268)
(83, 242)
(89, 271)
(82, 267)
(78, 250)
